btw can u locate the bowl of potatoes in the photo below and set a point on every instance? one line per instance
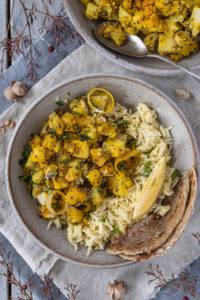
(82, 165)
(169, 28)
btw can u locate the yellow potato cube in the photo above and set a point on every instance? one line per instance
(60, 183)
(94, 177)
(49, 142)
(55, 123)
(119, 184)
(92, 11)
(108, 169)
(76, 196)
(107, 130)
(36, 141)
(69, 121)
(114, 147)
(74, 215)
(37, 154)
(98, 157)
(79, 106)
(38, 176)
(72, 174)
(79, 149)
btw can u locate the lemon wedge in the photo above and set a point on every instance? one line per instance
(151, 190)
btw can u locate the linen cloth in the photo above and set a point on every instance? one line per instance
(92, 281)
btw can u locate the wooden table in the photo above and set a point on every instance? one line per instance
(6, 290)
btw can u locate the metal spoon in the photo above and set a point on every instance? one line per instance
(135, 47)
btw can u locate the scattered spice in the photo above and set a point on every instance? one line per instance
(5, 125)
(116, 290)
(183, 93)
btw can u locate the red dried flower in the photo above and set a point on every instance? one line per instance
(50, 49)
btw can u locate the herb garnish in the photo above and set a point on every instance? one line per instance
(121, 123)
(176, 174)
(25, 178)
(84, 137)
(25, 155)
(52, 132)
(147, 169)
(65, 161)
(121, 165)
(56, 206)
(65, 136)
(60, 103)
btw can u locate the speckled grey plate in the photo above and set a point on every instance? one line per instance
(75, 11)
(126, 91)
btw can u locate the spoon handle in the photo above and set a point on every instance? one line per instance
(169, 61)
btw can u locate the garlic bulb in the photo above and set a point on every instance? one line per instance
(116, 290)
(15, 90)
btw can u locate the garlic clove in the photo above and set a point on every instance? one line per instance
(9, 94)
(116, 290)
(19, 88)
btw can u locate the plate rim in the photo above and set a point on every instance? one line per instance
(195, 151)
(111, 56)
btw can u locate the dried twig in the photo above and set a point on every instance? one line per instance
(184, 283)
(26, 288)
(197, 236)
(72, 291)
(23, 42)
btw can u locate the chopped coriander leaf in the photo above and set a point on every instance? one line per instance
(25, 155)
(52, 132)
(25, 178)
(104, 218)
(176, 174)
(121, 165)
(131, 143)
(65, 136)
(84, 137)
(60, 103)
(147, 169)
(56, 206)
(116, 230)
(65, 161)
(121, 123)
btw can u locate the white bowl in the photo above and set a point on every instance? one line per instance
(126, 91)
(75, 11)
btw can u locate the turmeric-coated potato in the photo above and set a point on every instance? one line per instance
(74, 215)
(94, 177)
(76, 195)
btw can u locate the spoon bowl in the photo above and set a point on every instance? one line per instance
(135, 47)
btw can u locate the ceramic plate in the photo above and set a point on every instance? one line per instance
(128, 92)
(75, 11)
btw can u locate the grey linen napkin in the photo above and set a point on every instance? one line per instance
(91, 281)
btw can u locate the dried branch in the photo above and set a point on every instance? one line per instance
(26, 288)
(72, 291)
(182, 284)
(197, 236)
(23, 43)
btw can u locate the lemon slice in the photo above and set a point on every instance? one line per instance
(100, 100)
(151, 190)
(130, 154)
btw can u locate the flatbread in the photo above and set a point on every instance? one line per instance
(153, 236)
